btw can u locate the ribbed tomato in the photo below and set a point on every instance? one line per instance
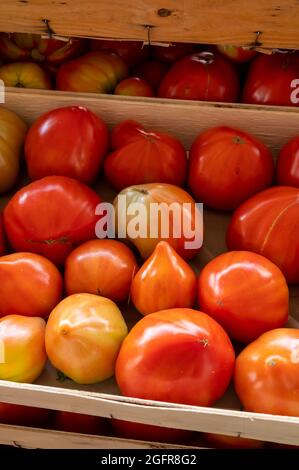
(287, 171)
(267, 373)
(245, 292)
(227, 166)
(202, 76)
(272, 80)
(134, 86)
(51, 216)
(268, 224)
(25, 75)
(72, 141)
(144, 157)
(102, 267)
(176, 355)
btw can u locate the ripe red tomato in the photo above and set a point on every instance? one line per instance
(152, 71)
(125, 133)
(134, 86)
(2, 236)
(76, 422)
(145, 157)
(31, 277)
(220, 441)
(287, 171)
(176, 355)
(237, 53)
(147, 432)
(102, 267)
(151, 291)
(19, 415)
(202, 76)
(267, 373)
(267, 224)
(132, 52)
(245, 292)
(70, 141)
(272, 79)
(173, 52)
(227, 166)
(51, 216)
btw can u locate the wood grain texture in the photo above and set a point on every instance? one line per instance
(202, 21)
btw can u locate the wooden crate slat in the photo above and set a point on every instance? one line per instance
(203, 21)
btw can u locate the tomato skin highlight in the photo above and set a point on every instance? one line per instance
(266, 375)
(53, 229)
(266, 224)
(227, 166)
(176, 355)
(30, 285)
(101, 267)
(245, 292)
(75, 149)
(287, 170)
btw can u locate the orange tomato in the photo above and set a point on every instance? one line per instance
(12, 136)
(177, 355)
(267, 373)
(25, 75)
(83, 337)
(102, 267)
(151, 287)
(184, 223)
(245, 292)
(29, 285)
(22, 346)
(134, 86)
(220, 441)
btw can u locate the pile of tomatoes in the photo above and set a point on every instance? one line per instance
(179, 70)
(63, 291)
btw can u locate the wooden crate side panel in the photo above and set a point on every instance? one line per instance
(202, 21)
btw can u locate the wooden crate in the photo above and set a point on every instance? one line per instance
(185, 119)
(203, 21)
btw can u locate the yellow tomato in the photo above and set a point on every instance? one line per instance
(83, 337)
(22, 348)
(12, 136)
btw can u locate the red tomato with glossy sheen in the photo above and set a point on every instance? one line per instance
(202, 76)
(134, 86)
(245, 292)
(147, 432)
(70, 141)
(152, 71)
(125, 133)
(220, 441)
(268, 224)
(148, 157)
(237, 54)
(102, 267)
(173, 52)
(227, 166)
(267, 373)
(19, 415)
(271, 80)
(2, 237)
(29, 285)
(176, 355)
(132, 52)
(51, 216)
(80, 423)
(287, 170)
